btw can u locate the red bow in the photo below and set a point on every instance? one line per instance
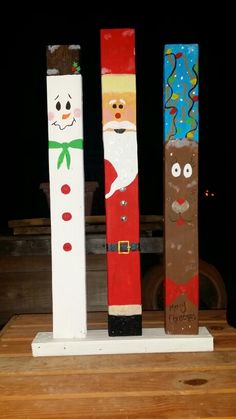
(173, 290)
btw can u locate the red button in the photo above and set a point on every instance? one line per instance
(67, 247)
(65, 189)
(66, 216)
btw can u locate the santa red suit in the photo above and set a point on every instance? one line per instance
(121, 183)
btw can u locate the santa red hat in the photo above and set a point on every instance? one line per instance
(118, 51)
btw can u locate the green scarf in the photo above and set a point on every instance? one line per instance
(65, 150)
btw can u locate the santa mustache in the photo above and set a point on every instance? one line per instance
(112, 125)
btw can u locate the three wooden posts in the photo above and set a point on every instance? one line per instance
(65, 129)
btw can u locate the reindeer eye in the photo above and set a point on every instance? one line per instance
(187, 170)
(176, 170)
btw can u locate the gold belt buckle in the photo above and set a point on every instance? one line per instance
(128, 247)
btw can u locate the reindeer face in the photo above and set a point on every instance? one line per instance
(181, 157)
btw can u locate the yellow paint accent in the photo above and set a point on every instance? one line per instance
(169, 51)
(118, 83)
(193, 81)
(190, 135)
(174, 96)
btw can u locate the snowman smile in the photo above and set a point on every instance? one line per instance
(62, 127)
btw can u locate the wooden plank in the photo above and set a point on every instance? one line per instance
(223, 334)
(95, 262)
(148, 245)
(150, 318)
(67, 190)
(41, 245)
(20, 264)
(181, 191)
(156, 385)
(35, 263)
(143, 406)
(89, 219)
(215, 323)
(34, 323)
(97, 291)
(27, 231)
(26, 285)
(193, 362)
(118, 81)
(119, 383)
(27, 222)
(25, 245)
(26, 292)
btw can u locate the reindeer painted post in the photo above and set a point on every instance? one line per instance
(181, 188)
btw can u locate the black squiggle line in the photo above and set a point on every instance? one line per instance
(69, 125)
(191, 107)
(167, 100)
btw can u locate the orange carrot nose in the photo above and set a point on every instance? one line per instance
(180, 201)
(65, 115)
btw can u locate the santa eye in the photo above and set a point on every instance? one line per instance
(68, 105)
(114, 106)
(176, 170)
(121, 106)
(58, 106)
(187, 170)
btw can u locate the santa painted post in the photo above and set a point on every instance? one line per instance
(65, 131)
(121, 181)
(181, 188)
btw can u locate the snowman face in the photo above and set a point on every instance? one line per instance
(64, 113)
(64, 104)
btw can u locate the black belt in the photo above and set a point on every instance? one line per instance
(123, 246)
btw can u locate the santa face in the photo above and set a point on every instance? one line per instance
(119, 137)
(119, 107)
(64, 111)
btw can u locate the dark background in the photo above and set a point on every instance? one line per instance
(24, 151)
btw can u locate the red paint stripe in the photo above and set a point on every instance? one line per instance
(174, 290)
(117, 51)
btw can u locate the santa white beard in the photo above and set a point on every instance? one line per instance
(120, 149)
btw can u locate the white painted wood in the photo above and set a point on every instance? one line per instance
(68, 267)
(98, 342)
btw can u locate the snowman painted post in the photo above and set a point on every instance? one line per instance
(181, 188)
(66, 170)
(121, 181)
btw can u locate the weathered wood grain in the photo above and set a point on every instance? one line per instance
(189, 385)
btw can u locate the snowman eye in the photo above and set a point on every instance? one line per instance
(176, 170)
(68, 105)
(58, 106)
(187, 170)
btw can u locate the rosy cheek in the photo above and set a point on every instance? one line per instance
(130, 115)
(77, 112)
(50, 116)
(107, 115)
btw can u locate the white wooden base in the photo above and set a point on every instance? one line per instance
(98, 342)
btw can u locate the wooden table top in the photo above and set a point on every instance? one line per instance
(163, 385)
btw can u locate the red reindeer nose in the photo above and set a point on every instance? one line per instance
(180, 201)
(117, 115)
